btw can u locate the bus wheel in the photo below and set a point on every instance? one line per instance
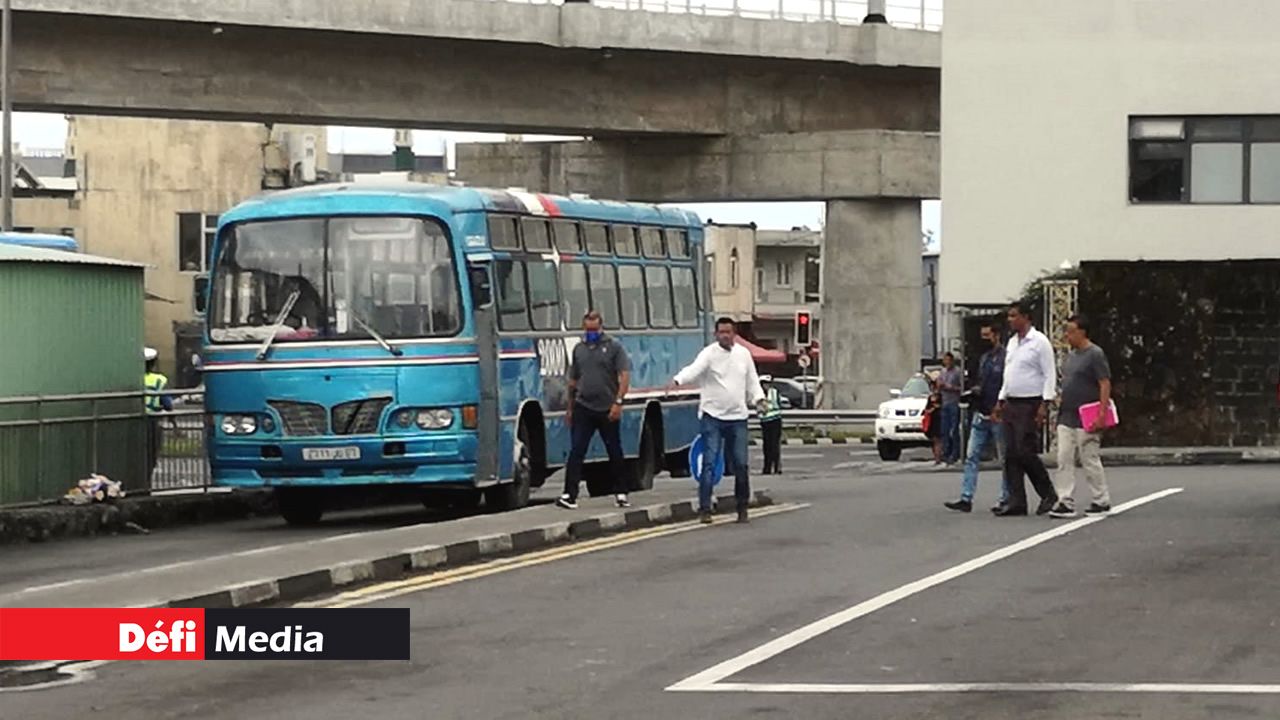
(645, 467)
(299, 507)
(515, 494)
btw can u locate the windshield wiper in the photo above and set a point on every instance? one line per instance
(376, 336)
(275, 326)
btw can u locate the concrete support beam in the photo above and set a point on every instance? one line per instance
(571, 26)
(152, 67)
(799, 166)
(871, 305)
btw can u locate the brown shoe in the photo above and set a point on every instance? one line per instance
(704, 518)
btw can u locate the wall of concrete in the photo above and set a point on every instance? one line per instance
(728, 297)
(569, 26)
(46, 214)
(77, 64)
(805, 166)
(871, 307)
(1036, 100)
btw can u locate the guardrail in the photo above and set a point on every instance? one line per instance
(829, 417)
(917, 14)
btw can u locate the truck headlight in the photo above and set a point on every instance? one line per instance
(239, 424)
(434, 419)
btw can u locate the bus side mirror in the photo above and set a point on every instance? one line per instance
(200, 294)
(481, 288)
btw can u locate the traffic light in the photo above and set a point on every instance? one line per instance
(803, 328)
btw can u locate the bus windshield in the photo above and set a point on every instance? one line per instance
(355, 278)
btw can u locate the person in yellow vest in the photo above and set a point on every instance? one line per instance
(154, 383)
(771, 427)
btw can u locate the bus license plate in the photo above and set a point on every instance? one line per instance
(333, 453)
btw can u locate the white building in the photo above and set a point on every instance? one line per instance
(1105, 130)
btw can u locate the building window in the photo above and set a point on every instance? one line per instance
(1205, 160)
(733, 269)
(784, 274)
(812, 277)
(196, 232)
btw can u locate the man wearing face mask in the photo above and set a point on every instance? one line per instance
(599, 377)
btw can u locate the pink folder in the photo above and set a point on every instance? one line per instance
(1089, 414)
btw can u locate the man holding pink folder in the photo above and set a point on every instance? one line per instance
(1085, 411)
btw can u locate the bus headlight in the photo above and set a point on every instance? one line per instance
(239, 424)
(434, 419)
(405, 418)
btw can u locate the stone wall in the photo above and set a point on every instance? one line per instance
(1194, 349)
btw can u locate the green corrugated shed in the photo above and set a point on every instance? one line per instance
(71, 325)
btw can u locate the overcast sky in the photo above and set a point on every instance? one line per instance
(33, 130)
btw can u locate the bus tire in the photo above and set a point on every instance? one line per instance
(645, 466)
(299, 507)
(515, 494)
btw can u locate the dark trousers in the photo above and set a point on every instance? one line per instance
(772, 431)
(153, 445)
(587, 423)
(1022, 437)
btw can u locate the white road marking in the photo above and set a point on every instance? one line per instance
(886, 688)
(708, 679)
(74, 672)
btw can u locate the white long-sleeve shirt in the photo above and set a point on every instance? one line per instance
(1029, 368)
(728, 381)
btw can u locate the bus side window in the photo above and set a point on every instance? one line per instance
(513, 305)
(686, 297)
(544, 295)
(659, 285)
(631, 290)
(597, 238)
(624, 241)
(502, 233)
(481, 288)
(651, 241)
(536, 235)
(604, 293)
(677, 243)
(573, 287)
(567, 237)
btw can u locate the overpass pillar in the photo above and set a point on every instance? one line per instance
(871, 299)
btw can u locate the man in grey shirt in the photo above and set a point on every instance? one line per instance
(599, 377)
(1086, 378)
(949, 385)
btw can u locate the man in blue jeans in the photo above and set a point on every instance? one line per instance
(949, 385)
(984, 429)
(726, 376)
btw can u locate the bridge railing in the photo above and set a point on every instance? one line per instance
(919, 14)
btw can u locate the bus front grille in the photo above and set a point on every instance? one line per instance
(300, 419)
(359, 417)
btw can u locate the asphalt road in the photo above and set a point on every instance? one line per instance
(1182, 589)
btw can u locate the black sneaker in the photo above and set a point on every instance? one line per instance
(704, 517)
(1046, 505)
(1062, 512)
(743, 519)
(566, 502)
(1096, 509)
(960, 505)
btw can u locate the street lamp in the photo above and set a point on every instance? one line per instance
(6, 117)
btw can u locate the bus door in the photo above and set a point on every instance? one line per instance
(485, 317)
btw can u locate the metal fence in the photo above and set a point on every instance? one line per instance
(50, 442)
(919, 14)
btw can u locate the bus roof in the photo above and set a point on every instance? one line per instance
(369, 197)
(40, 240)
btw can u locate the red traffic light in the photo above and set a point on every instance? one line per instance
(803, 319)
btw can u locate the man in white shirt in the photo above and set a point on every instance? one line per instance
(726, 376)
(1030, 384)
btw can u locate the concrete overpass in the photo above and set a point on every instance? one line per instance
(679, 107)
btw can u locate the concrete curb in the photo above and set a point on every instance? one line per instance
(345, 574)
(754, 442)
(52, 522)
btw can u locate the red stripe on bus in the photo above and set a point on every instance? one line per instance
(549, 205)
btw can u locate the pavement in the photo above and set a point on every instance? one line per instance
(864, 598)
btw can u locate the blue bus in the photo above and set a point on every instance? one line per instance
(361, 338)
(40, 240)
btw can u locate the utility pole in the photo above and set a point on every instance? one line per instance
(6, 110)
